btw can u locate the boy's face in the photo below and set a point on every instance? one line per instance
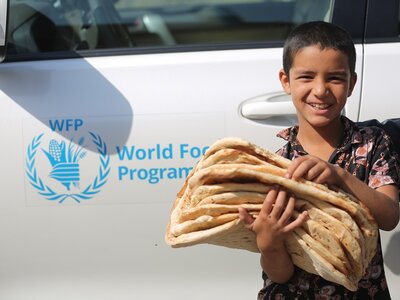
(319, 82)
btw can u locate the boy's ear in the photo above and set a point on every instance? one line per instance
(353, 80)
(284, 79)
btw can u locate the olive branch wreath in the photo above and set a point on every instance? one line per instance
(88, 193)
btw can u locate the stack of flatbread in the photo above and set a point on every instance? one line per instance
(337, 242)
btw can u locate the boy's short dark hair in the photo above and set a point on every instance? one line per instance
(323, 34)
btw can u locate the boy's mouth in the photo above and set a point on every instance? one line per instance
(319, 106)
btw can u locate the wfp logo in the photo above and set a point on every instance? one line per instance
(64, 160)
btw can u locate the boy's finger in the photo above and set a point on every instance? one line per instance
(294, 166)
(269, 200)
(302, 169)
(245, 217)
(297, 222)
(279, 205)
(288, 212)
(314, 172)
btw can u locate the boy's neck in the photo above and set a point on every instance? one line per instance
(320, 141)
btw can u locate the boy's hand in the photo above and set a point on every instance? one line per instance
(274, 222)
(314, 169)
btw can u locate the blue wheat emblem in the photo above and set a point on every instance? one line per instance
(65, 162)
(65, 168)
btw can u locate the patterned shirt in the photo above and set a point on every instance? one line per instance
(366, 153)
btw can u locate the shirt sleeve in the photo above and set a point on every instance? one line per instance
(385, 163)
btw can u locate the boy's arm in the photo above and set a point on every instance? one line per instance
(383, 202)
(277, 265)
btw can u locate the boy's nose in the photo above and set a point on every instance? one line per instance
(320, 89)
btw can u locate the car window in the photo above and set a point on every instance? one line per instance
(383, 22)
(38, 26)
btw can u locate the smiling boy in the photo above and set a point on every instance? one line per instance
(326, 147)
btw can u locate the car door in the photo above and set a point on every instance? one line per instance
(105, 108)
(380, 100)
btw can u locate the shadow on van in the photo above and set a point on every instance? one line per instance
(65, 96)
(391, 254)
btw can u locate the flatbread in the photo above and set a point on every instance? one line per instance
(332, 255)
(309, 260)
(248, 147)
(329, 243)
(265, 174)
(337, 242)
(205, 191)
(234, 198)
(355, 251)
(232, 235)
(202, 223)
(214, 210)
(229, 156)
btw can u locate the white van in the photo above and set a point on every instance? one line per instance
(106, 105)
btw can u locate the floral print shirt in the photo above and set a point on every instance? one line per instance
(365, 152)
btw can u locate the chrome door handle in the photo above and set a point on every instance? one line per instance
(267, 106)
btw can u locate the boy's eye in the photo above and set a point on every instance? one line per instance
(305, 77)
(337, 78)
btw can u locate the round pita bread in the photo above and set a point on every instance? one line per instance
(337, 242)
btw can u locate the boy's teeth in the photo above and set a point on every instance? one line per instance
(319, 106)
